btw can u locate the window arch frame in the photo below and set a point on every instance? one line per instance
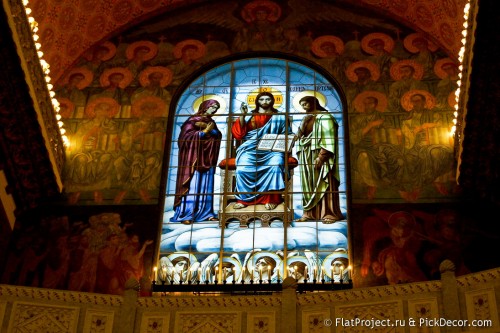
(205, 69)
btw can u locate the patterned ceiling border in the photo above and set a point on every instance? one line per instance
(463, 98)
(35, 78)
(28, 155)
(67, 29)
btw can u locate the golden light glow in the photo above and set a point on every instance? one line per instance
(461, 54)
(45, 65)
(45, 68)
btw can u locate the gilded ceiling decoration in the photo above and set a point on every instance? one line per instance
(68, 28)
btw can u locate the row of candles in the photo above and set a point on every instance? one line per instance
(196, 274)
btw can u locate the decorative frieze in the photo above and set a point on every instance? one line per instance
(421, 310)
(39, 294)
(211, 302)
(33, 317)
(377, 317)
(482, 307)
(261, 322)
(157, 322)
(188, 322)
(316, 321)
(471, 280)
(371, 293)
(98, 321)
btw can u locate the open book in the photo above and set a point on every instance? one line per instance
(276, 142)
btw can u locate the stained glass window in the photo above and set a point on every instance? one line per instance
(236, 210)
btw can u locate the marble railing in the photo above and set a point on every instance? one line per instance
(464, 304)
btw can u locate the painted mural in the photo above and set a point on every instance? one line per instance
(404, 244)
(116, 155)
(142, 108)
(81, 252)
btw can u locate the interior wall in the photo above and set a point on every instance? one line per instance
(240, 35)
(64, 40)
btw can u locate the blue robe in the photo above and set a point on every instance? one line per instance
(260, 171)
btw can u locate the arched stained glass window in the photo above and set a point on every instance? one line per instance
(236, 204)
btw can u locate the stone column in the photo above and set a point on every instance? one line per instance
(449, 293)
(126, 318)
(289, 306)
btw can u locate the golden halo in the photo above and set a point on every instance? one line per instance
(300, 259)
(127, 76)
(257, 255)
(90, 108)
(112, 50)
(200, 48)
(68, 109)
(430, 100)
(160, 109)
(381, 98)
(408, 42)
(248, 12)
(320, 41)
(88, 76)
(388, 42)
(417, 67)
(327, 262)
(401, 219)
(189, 256)
(108, 55)
(438, 67)
(295, 102)
(278, 96)
(153, 50)
(236, 266)
(223, 105)
(165, 81)
(370, 65)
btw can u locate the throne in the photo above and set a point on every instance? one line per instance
(227, 213)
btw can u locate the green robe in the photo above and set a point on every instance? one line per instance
(320, 187)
